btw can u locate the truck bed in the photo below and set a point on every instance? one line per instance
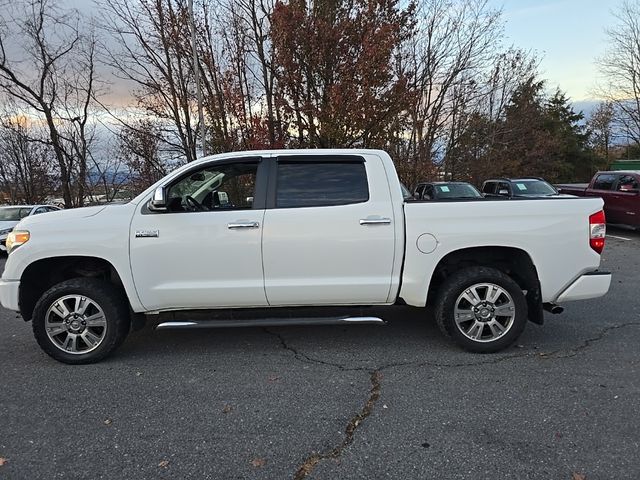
(573, 188)
(552, 231)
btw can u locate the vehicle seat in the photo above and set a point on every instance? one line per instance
(175, 205)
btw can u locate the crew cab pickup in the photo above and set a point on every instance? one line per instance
(620, 191)
(297, 237)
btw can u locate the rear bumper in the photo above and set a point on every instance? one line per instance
(9, 292)
(589, 285)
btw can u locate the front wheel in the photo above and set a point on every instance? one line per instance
(81, 320)
(482, 309)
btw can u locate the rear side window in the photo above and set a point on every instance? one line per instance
(489, 187)
(604, 182)
(626, 183)
(311, 184)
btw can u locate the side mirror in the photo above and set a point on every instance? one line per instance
(503, 191)
(158, 202)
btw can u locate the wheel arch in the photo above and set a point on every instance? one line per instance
(44, 273)
(512, 261)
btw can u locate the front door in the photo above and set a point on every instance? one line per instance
(205, 251)
(328, 237)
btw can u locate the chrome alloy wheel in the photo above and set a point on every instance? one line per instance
(75, 324)
(484, 312)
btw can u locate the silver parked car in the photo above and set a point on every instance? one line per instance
(11, 215)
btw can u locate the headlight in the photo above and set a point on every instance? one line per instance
(5, 231)
(17, 238)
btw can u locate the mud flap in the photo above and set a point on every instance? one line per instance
(534, 305)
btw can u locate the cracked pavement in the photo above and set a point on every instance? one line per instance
(395, 401)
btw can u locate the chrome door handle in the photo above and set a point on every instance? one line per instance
(233, 225)
(375, 221)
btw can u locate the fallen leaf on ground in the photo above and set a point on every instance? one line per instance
(164, 464)
(578, 476)
(108, 421)
(258, 462)
(227, 409)
(3, 461)
(274, 378)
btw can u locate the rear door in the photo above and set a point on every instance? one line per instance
(328, 231)
(603, 187)
(627, 199)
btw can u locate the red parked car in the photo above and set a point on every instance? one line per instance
(620, 192)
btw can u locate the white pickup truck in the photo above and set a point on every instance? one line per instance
(253, 238)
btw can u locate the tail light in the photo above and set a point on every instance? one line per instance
(597, 231)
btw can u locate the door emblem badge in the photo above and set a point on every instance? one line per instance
(147, 233)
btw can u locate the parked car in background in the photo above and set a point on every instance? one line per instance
(445, 190)
(11, 215)
(620, 191)
(530, 187)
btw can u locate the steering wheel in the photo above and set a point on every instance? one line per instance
(193, 204)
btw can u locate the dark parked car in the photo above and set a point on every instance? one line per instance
(519, 188)
(445, 191)
(620, 191)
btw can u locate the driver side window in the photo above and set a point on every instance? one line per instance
(215, 187)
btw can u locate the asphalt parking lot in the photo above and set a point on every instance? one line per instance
(359, 402)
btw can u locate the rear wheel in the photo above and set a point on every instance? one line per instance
(81, 320)
(481, 309)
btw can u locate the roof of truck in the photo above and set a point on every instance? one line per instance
(633, 172)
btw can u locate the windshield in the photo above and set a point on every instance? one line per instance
(533, 187)
(456, 190)
(13, 214)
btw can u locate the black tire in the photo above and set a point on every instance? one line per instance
(103, 294)
(456, 284)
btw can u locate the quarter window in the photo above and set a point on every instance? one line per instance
(317, 184)
(489, 187)
(626, 183)
(604, 182)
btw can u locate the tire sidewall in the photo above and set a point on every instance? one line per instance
(100, 292)
(463, 280)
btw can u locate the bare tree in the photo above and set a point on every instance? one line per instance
(154, 55)
(139, 150)
(620, 66)
(601, 128)
(25, 172)
(454, 42)
(45, 80)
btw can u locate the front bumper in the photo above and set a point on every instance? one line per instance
(9, 294)
(589, 285)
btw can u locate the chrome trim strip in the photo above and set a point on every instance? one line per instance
(270, 322)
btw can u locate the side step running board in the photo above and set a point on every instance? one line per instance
(270, 322)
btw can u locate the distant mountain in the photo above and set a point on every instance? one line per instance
(587, 107)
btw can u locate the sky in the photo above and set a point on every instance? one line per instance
(567, 35)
